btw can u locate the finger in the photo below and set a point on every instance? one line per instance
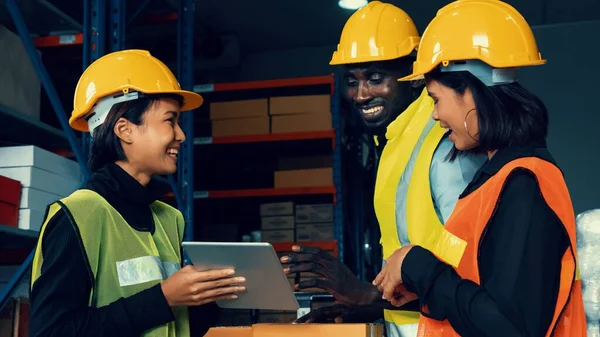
(307, 250)
(297, 258)
(221, 283)
(228, 297)
(380, 277)
(317, 283)
(219, 292)
(388, 290)
(210, 275)
(306, 267)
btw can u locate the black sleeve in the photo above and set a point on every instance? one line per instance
(59, 297)
(520, 261)
(202, 318)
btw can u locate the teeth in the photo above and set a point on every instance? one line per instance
(172, 151)
(372, 110)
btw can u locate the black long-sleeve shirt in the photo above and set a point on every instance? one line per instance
(59, 297)
(519, 265)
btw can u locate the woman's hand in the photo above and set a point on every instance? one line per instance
(190, 287)
(389, 280)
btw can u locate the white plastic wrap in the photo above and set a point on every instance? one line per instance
(593, 329)
(588, 250)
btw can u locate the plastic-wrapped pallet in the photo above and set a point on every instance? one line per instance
(588, 248)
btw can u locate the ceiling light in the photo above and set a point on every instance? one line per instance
(352, 4)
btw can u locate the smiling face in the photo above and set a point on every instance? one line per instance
(456, 113)
(374, 93)
(152, 147)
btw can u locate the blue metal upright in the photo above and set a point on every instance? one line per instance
(338, 211)
(185, 74)
(94, 45)
(21, 27)
(117, 25)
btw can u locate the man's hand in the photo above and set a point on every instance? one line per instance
(335, 278)
(340, 313)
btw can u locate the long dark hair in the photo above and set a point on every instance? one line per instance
(509, 115)
(106, 146)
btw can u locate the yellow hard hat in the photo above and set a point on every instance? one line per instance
(122, 76)
(490, 31)
(376, 32)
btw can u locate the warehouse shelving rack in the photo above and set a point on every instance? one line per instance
(335, 134)
(104, 23)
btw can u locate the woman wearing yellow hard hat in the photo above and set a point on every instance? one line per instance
(108, 259)
(517, 274)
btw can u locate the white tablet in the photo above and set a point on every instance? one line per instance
(267, 286)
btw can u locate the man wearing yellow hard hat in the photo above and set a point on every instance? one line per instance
(417, 184)
(514, 270)
(108, 260)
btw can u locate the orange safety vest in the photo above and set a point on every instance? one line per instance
(469, 219)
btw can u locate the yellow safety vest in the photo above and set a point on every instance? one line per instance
(424, 226)
(122, 260)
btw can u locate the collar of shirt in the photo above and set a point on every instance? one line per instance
(504, 156)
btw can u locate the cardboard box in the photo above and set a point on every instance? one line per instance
(10, 195)
(300, 123)
(240, 126)
(304, 178)
(35, 199)
(274, 236)
(229, 332)
(31, 176)
(277, 208)
(317, 330)
(298, 330)
(314, 213)
(304, 104)
(21, 156)
(239, 109)
(314, 232)
(277, 222)
(31, 219)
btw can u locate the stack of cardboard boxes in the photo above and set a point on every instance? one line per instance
(279, 222)
(273, 115)
(240, 118)
(45, 177)
(300, 113)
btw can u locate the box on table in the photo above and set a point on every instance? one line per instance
(304, 178)
(299, 330)
(277, 208)
(314, 213)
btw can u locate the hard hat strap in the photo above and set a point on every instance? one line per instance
(100, 110)
(487, 74)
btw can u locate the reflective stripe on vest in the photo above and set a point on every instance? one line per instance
(424, 226)
(469, 219)
(122, 261)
